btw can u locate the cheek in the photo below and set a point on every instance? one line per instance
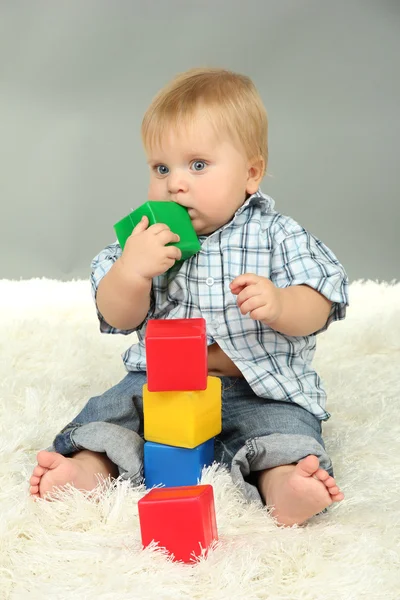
(156, 189)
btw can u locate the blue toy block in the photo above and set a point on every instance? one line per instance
(172, 466)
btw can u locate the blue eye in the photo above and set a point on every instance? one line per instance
(162, 169)
(198, 165)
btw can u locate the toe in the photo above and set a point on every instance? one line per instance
(34, 490)
(39, 471)
(48, 460)
(337, 497)
(330, 482)
(34, 480)
(334, 490)
(308, 466)
(322, 475)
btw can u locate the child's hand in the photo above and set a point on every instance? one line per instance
(145, 252)
(258, 296)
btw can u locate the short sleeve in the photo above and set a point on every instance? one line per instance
(299, 258)
(100, 266)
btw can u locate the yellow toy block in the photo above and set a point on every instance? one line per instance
(185, 419)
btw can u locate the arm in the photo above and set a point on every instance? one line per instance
(304, 311)
(311, 281)
(123, 302)
(289, 301)
(123, 294)
(298, 310)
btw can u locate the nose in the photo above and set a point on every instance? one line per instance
(177, 182)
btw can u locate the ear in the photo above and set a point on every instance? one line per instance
(255, 173)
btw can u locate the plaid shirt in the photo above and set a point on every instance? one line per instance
(257, 240)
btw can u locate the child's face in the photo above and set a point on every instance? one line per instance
(207, 175)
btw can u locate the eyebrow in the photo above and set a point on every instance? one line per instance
(188, 156)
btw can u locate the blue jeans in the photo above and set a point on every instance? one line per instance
(257, 433)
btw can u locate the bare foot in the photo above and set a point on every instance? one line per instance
(298, 492)
(55, 470)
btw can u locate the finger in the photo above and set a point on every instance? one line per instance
(158, 228)
(243, 280)
(168, 263)
(252, 304)
(258, 314)
(237, 290)
(167, 237)
(248, 292)
(141, 226)
(173, 252)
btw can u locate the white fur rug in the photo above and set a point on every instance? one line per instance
(53, 358)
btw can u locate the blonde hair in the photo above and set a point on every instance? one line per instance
(230, 100)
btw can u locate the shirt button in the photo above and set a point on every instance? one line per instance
(210, 281)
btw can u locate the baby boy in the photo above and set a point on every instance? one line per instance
(265, 286)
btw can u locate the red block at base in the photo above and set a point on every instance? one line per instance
(176, 355)
(181, 519)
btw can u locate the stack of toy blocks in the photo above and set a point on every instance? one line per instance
(182, 414)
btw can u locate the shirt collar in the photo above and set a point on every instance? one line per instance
(258, 198)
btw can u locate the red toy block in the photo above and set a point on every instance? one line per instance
(181, 519)
(176, 355)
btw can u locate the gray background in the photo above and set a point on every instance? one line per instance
(77, 75)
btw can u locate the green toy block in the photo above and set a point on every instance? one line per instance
(172, 214)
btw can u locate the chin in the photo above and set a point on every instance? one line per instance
(198, 227)
(205, 230)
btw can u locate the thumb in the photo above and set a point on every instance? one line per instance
(141, 226)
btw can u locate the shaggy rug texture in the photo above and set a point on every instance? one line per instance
(53, 358)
